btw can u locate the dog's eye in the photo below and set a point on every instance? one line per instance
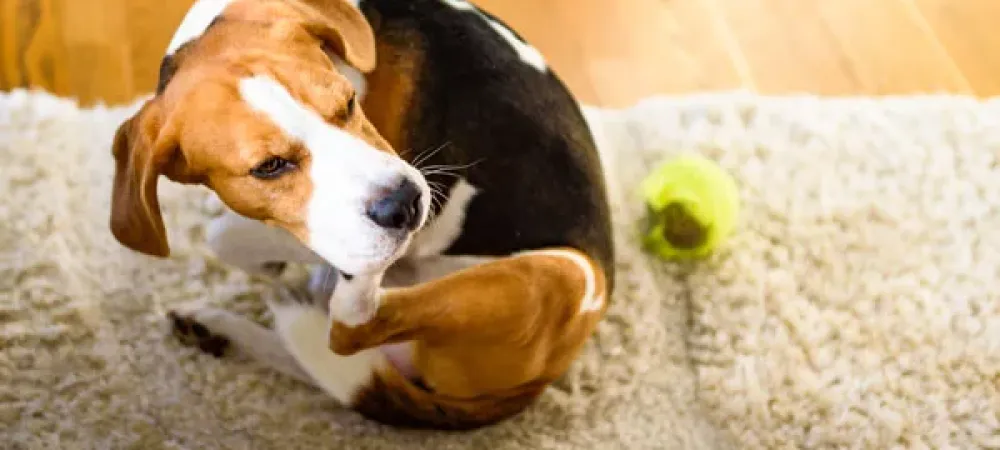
(272, 168)
(352, 104)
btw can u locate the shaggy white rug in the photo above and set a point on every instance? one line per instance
(856, 307)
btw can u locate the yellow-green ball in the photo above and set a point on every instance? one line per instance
(693, 205)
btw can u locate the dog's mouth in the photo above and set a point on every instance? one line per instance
(376, 262)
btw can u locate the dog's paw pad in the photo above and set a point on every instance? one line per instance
(195, 334)
(273, 269)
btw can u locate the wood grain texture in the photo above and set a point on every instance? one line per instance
(969, 32)
(95, 45)
(30, 47)
(891, 51)
(609, 53)
(789, 48)
(150, 26)
(847, 47)
(652, 46)
(94, 50)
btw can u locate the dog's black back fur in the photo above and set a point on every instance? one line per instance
(517, 133)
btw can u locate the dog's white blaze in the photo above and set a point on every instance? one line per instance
(196, 21)
(591, 300)
(345, 171)
(305, 332)
(529, 54)
(440, 233)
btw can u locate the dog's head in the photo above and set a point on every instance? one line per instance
(257, 111)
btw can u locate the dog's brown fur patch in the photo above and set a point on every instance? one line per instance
(486, 339)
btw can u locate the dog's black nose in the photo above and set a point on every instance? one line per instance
(399, 209)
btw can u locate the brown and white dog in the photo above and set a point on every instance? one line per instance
(322, 126)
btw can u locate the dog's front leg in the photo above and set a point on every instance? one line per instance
(297, 347)
(216, 331)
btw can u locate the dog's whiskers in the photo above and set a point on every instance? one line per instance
(442, 173)
(450, 167)
(437, 194)
(447, 170)
(426, 155)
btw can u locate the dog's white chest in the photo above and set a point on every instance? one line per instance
(446, 227)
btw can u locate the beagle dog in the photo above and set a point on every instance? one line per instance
(424, 157)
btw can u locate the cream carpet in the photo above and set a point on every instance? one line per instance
(857, 306)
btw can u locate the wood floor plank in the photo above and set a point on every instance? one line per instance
(609, 53)
(9, 56)
(30, 46)
(96, 56)
(891, 48)
(788, 46)
(967, 29)
(844, 47)
(644, 47)
(150, 26)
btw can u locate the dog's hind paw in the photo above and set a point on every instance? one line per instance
(191, 330)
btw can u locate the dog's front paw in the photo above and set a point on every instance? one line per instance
(192, 328)
(356, 299)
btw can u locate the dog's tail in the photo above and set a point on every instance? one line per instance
(394, 400)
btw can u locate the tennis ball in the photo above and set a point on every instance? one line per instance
(692, 207)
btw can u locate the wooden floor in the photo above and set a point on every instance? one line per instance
(609, 52)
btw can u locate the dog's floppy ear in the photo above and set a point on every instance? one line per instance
(142, 150)
(343, 29)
